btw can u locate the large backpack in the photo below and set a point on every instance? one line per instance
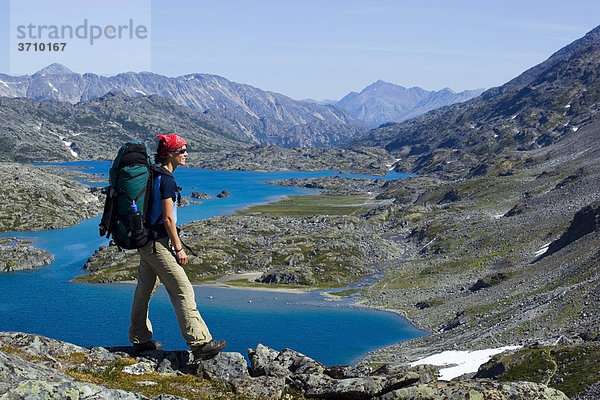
(129, 196)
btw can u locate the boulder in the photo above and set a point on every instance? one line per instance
(224, 367)
(325, 387)
(450, 197)
(262, 387)
(298, 363)
(262, 362)
(200, 196)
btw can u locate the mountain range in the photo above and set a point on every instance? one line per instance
(263, 117)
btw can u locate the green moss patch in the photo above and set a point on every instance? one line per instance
(307, 205)
(567, 368)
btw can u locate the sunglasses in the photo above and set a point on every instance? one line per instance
(181, 151)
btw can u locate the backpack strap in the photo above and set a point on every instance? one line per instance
(188, 247)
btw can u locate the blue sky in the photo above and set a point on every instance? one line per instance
(318, 49)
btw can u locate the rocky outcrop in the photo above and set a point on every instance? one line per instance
(38, 199)
(585, 221)
(32, 370)
(17, 254)
(47, 368)
(450, 197)
(200, 196)
(223, 194)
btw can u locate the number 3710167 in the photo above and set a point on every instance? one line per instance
(35, 46)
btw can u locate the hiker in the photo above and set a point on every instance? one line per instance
(161, 260)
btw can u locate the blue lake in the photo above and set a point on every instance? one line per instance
(45, 302)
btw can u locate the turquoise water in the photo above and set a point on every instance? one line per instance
(45, 302)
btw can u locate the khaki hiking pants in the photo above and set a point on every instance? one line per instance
(162, 266)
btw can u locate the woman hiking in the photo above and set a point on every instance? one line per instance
(161, 260)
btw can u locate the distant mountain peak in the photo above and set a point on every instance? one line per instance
(54, 69)
(447, 90)
(379, 83)
(383, 102)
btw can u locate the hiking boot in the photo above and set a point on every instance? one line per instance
(208, 350)
(138, 348)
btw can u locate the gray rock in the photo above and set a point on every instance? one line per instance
(323, 386)
(269, 362)
(476, 390)
(43, 378)
(167, 367)
(298, 363)
(73, 390)
(263, 387)
(100, 354)
(345, 371)
(200, 196)
(224, 367)
(22, 379)
(224, 194)
(140, 368)
(37, 345)
(15, 370)
(262, 362)
(591, 392)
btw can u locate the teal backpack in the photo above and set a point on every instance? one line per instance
(126, 208)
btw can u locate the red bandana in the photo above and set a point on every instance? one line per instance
(170, 143)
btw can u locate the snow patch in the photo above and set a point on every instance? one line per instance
(542, 250)
(140, 92)
(73, 152)
(575, 128)
(4, 83)
(460, 362)
(319, 116)
(52, 86)
(390, 167)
